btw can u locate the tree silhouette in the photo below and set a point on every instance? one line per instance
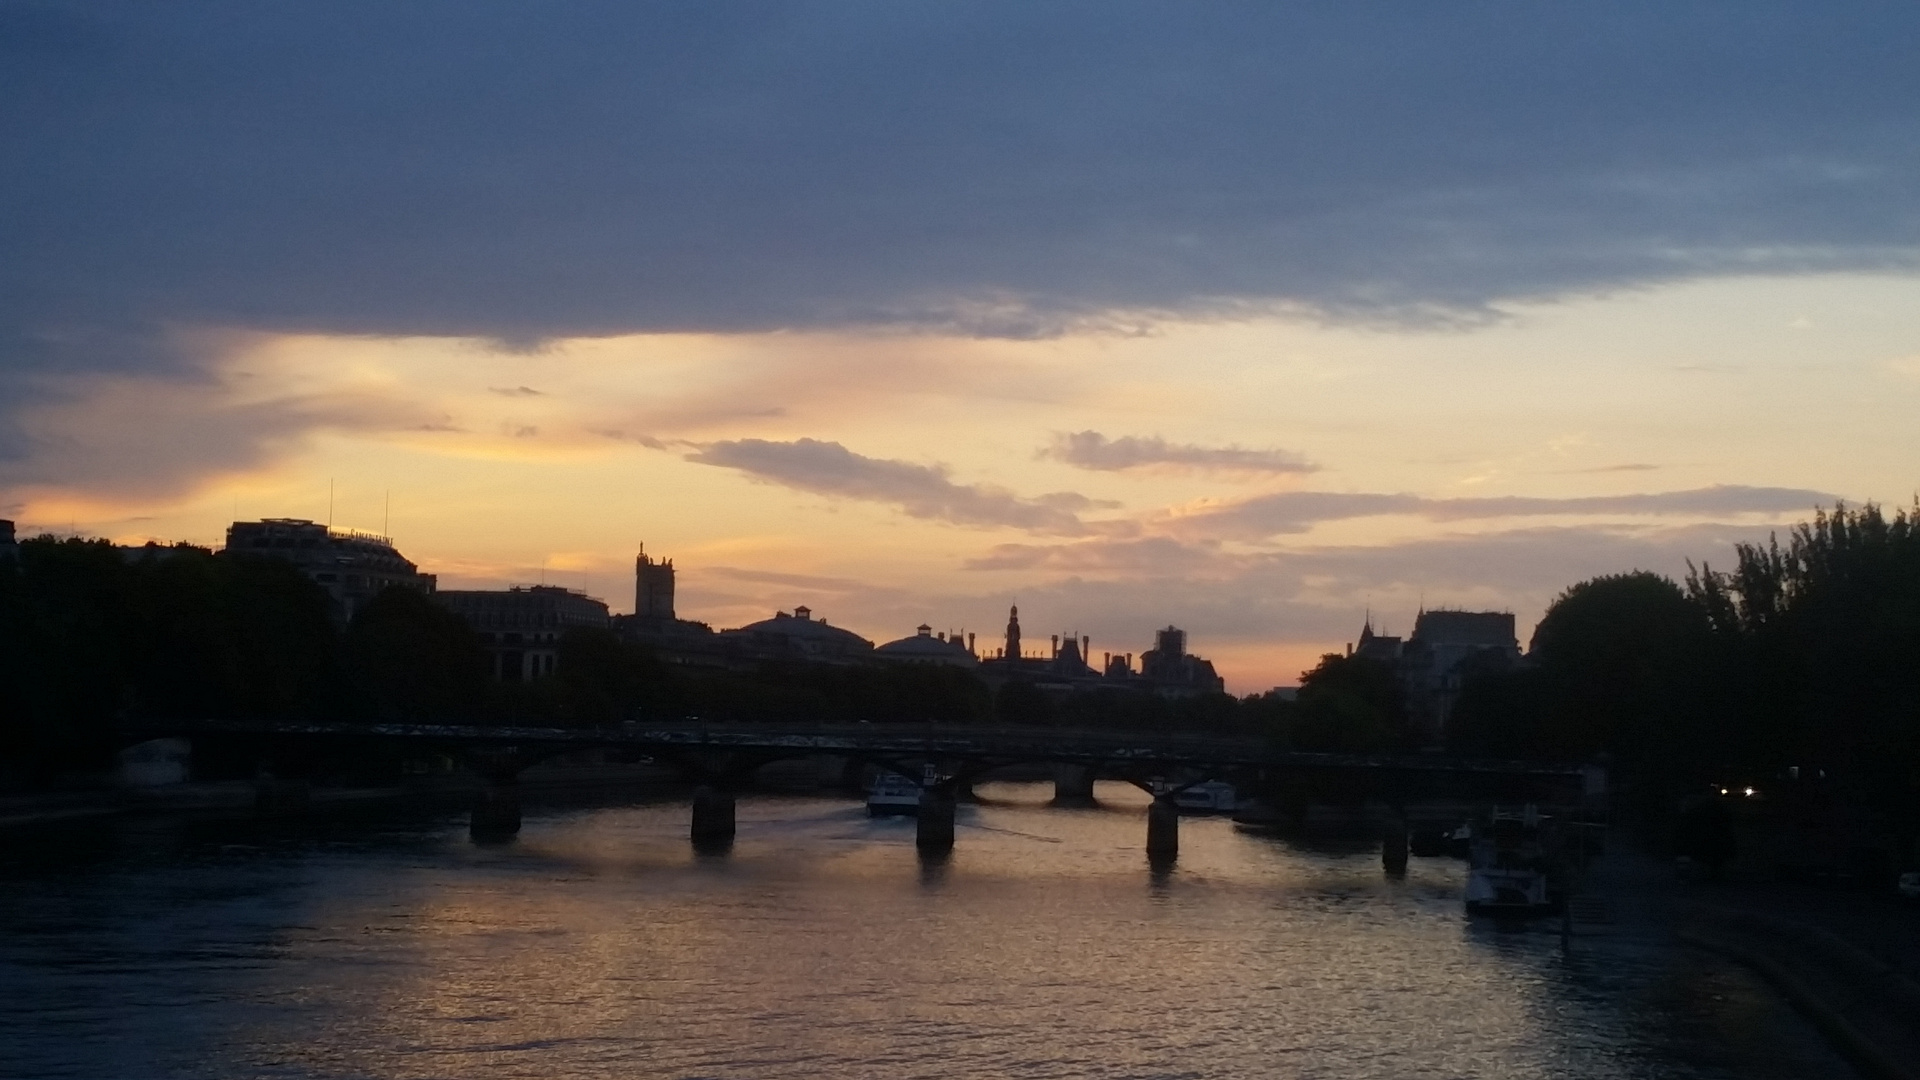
(409, 659)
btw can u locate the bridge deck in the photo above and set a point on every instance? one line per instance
(903, 740)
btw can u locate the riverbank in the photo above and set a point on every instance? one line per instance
(1841, 957)
(1858, 1000)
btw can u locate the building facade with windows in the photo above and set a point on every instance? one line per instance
(521, 628)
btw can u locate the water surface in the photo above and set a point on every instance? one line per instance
(598, 944)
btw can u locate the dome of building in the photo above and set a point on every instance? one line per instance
(800, 635)
(924, 648)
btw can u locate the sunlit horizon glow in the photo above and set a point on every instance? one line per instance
(889, 479)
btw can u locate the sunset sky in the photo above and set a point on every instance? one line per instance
(1244, 317)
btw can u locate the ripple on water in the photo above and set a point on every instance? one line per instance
(599, 945)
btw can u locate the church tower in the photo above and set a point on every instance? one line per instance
(652, 589)
(1013, 632)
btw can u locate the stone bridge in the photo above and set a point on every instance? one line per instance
(945, 760)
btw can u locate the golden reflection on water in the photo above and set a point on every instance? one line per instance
(599, 944)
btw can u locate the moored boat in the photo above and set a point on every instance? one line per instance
(1509, 865)
(1459, 842)
(892, 795)
(1207, 797)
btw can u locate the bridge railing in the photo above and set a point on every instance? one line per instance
(1013, 743)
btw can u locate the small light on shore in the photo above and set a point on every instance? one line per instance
(1749, 793)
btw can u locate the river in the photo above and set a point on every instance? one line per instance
(598, 944)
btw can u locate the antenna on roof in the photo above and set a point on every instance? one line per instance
(329, 502)
(386, 518)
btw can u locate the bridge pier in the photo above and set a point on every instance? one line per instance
(933, 827)
(1393, 843)
(713, 823)
(1163, 828)
(1073, 785)
(496, 812)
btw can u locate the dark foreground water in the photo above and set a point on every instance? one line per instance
(599, 945)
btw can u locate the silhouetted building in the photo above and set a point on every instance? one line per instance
(353, 567)
(654, 624)
(798, 636)
(1063, 666)
(9, 548)
(1173, 671)
(1432, 662)
(927, 647)
(1069, 660)
(1009, 661)
(521, 628)
(1374, 646)
(652, 589)
(1167, 669)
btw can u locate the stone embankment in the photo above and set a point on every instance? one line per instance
(1844, 958)
(1863, 1004)
(103, 800)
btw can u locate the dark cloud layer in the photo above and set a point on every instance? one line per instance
(922, 491)
(1092, 450)
(524, 171)
(928, 491)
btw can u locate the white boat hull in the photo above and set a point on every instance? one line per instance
(892, 807)
(1212, 797)
(1506, 890)
(893, 795)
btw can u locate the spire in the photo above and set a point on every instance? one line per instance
(1013, 632)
